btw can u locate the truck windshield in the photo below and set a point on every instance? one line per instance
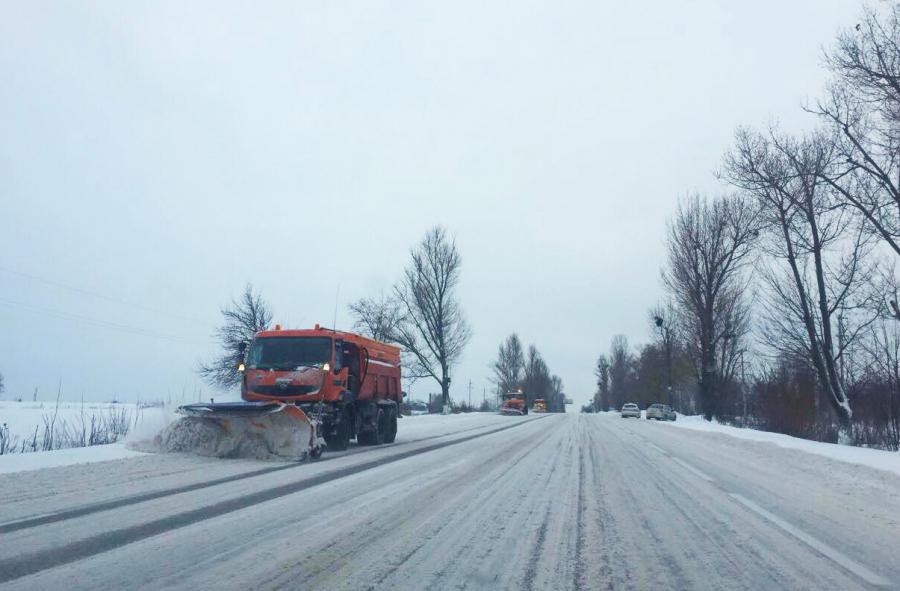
(285, 353)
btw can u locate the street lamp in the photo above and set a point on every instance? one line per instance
(664, 334)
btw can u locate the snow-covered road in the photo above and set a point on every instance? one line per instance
(554, 502)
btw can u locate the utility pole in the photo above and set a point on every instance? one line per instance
(470, 394)
(666, 335)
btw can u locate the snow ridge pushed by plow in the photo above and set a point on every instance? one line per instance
(272, 437)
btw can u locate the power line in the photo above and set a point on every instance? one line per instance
(101, 296)
(135, 330)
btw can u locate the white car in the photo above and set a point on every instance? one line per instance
(418, 408)
(631, 409)
(660, 412)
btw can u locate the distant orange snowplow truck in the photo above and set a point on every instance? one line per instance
(347, 384)
(513, 404)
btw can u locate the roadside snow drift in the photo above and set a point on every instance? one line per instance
(275, 436)
(873, 458)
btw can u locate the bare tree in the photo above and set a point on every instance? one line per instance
(620, 362)
(663, 319)
(817, 273)
(1, 383)
(557, 399)
(537, 382)
(601, 371)
(509, 367)
(709, 244)
(380, 319)
(862, 108)
(376, 318)
(883, 347)
(433, 328)
(556, 384)
(242, 319)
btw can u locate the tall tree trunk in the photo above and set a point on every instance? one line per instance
(835, 388)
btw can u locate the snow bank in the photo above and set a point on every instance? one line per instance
(274, 436)
(872, 458)
(23, 418)
(154, 421)
(64, 457)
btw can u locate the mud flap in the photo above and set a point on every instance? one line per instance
(260, 430)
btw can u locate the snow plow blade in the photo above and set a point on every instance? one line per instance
(260, 430)
(513, 412)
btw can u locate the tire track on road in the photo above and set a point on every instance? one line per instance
(817, 546)
(43, 519)
(579, 523)
(308, 571)
(15, 568)
(540, 541)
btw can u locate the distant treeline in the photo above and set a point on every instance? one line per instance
(781, 309)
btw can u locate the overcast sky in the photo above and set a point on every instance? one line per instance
(155, 157)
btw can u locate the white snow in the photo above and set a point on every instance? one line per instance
(64, 457)
(22, 418)
(872, 458)
(421, 426)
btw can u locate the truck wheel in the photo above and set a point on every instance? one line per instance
(380, 427)
(374, 436)
(340, 439)
(390, 433)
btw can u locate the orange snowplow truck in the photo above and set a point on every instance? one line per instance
(513, 404)
(350, 382)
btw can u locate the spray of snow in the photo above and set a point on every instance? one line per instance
(151, 423)
(271, 437)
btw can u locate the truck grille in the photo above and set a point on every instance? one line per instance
(287, 390)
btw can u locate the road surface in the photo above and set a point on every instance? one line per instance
(552, 502)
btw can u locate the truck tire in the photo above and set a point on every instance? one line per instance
(339, 440)
(390, 433)
(380, 427)
(376, 436)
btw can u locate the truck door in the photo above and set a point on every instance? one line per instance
(351, 358)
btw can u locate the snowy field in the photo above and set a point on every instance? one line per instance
(26, 422)
(26, 418)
